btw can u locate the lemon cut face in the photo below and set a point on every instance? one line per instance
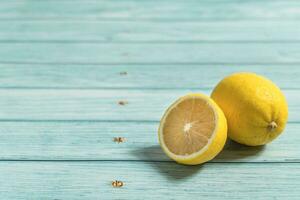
(193, 130)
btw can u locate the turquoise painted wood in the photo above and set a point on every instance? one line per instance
(153, 76)
(178, 10)
(148, 31)
(94, 140)
(102, 104)
(150, 53)
(66, 65)
(92, 180)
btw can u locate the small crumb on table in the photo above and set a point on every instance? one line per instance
(122, 103)
(123, 73)
(117, 184)
(119, 139)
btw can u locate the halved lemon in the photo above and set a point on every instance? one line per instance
(193, 130)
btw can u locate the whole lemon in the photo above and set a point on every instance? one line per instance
(255, 108)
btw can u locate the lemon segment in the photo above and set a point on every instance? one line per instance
(255, 108)
(193, 130)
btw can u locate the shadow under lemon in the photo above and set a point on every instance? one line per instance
(235, 152)
(232, 152)
(171, 170)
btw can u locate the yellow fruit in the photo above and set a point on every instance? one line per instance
(255, 108)
(193, 130)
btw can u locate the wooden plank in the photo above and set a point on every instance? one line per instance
(141, 105)
(126, 76)
(150, 53)
(137, 31)
(92, 140)
(141, 10)
(92, 180)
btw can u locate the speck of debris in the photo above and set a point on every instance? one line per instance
(119, 139)
(123, 103)
(117, 184)
(123, 73)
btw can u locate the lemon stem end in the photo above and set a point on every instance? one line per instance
(272, 126)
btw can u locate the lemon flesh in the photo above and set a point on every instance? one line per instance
(255, 108)
(193, 130)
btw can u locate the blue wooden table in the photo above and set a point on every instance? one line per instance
(76, 74)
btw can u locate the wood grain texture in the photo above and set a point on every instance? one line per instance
(93, 140)
(169, 76)
(148, 31)
(183, 53)
(66, 65)
(150, 10)
(92, 180)
(142, 105)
